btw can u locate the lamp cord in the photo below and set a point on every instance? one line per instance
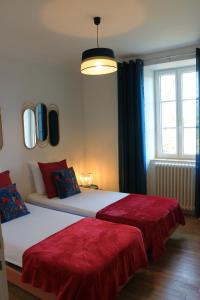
(97, 36)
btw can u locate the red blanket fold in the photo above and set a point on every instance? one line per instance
(88, 260)
(155, 216)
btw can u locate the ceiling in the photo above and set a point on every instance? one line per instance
(57, 31)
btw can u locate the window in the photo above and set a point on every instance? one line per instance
(176, 113)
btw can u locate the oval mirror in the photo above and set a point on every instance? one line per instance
(53, 127)
(1, 134)
(29, 128)
(41, 122)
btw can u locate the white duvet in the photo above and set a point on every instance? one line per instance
(85, 204)
(24, 232)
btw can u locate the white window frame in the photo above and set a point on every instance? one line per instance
(179, 125)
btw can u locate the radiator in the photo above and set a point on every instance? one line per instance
(176, 180)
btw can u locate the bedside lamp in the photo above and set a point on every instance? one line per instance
(86, 179)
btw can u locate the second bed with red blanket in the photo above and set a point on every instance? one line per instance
(155, 216)
(88, 260)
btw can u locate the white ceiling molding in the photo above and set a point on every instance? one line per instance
(183, 53)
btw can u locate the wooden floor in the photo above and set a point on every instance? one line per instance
(176, 276)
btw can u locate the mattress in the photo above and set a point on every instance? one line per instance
(24, 232)
(86, 204)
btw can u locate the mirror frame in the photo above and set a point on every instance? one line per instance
(49, 108)
(1, 132)
(40, 143)
(25, 107)
(53, 107)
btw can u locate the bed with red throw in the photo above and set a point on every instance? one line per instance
(88, 260)
(157, 218)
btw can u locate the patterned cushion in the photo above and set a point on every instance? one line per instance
(11, 204)
(66, 183)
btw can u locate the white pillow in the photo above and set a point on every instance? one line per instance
(37, 177)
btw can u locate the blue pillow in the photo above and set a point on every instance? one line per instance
(66, 183)
(11, 204)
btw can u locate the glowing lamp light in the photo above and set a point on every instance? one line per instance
(98, 61)
(94, 62)
(86, 179)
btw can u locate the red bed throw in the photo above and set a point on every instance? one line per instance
(156, 216)
(88, 260)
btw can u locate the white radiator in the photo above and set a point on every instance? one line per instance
(176, 180)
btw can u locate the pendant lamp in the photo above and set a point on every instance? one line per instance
(98, 61)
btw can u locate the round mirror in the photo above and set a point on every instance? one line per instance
(41, 122)
(1, 134)
(29, 128)
(53, 127)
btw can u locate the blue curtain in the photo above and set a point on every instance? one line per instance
(197, 181)
(131, 130)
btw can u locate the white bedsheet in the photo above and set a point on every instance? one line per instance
(22, 233)
(85, 204)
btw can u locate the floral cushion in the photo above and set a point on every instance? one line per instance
(11, 204)
(66, 183)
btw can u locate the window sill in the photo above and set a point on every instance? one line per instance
(174, 160)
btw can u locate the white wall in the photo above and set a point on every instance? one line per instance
(101, 129)
(88, 108)
(22, 82)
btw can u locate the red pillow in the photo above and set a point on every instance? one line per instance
(47, 169)
(5, 179)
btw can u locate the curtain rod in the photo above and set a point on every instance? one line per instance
(149, 59)
(169, 58)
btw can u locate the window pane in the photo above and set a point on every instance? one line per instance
(169, 141)
(189, 141)
(189, 85)
(168, 115)
(167, 86)
(189, 113)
